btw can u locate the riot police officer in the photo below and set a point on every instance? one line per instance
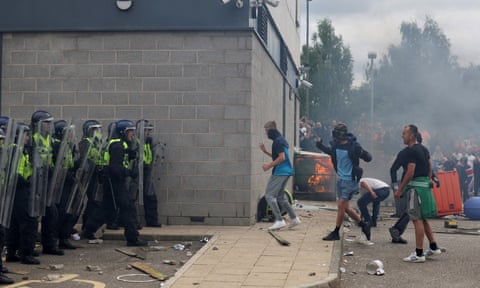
(119, 171)
(148, 193)
(64, 148)
(90, 147)
(42, 146)
(21, 235)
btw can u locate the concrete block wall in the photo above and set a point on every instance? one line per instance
(200, 90)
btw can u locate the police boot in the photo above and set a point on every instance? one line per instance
(52, 251)
(66, 244)
(30, 260)
(11, 256)
(4, 280)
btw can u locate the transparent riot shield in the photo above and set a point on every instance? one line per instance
(63, 158)
(140, 160)
(41, 164)
(11, 153)
(83, 176)
(158, 157)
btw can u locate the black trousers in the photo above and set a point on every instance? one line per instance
(66, 222)
(125, 207)
(23, 229)
(50, 227)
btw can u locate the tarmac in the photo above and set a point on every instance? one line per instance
(250, 257)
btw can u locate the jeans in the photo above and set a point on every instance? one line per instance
(366, 198)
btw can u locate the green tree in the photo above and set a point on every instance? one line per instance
(330, 73)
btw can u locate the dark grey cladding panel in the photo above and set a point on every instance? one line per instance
(103, 15)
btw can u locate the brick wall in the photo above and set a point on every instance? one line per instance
(208, 95)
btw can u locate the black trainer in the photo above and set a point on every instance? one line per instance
(53, 251)
(30, 260)
(332, 236)
(5, 280)
(366, 230)
(66, 244)
(399, 240)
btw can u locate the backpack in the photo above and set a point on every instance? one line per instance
(264, 212)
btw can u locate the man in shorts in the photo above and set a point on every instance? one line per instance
(420, 202)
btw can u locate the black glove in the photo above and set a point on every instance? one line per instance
(437, 181)
(132, 154)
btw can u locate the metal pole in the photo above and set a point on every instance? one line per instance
(371, 56)
(307, 92)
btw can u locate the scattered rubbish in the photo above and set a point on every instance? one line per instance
(169, 262)
(278, 238)
(56, 266)
(215, 248)
(93, 268)
(451, 224)
(312, 274)
(189, 254)
(141, 252)
(204, 239)
(158, 248)
(124, 278)
(149, 270)
(95, 241)
(347, 225)
(52, 277)
(187, 244)
(349, 253)
(179, 247)
(126, 252)
(375, 267)
(342, 270)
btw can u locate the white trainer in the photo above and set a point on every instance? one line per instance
(295, 222)
(430, 253)
(278, 225)
(413, 258)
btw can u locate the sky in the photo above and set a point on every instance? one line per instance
(373, 25)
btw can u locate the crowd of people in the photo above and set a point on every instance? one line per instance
(48, 178)
(459, 153)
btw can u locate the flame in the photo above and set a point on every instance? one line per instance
(318, 172)
(320, 181)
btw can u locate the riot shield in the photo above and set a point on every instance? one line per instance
(60, 170)
(140, 159)
(158, 157)
(41, 163)
(83, 176)
(11, 153)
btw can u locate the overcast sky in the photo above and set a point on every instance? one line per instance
(373, 25)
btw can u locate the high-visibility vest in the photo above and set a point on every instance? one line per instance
(25, 166)
(44, 147)
(106, 156)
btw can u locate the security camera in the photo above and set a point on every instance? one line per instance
(305, 83)
(239, 3)
(273, 3)
(223, 2)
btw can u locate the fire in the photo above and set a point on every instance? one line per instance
(320, 181)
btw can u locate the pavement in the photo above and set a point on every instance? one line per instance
(250, 257)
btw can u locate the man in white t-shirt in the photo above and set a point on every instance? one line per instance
(373, 191)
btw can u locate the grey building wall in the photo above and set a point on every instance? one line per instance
(205, 92)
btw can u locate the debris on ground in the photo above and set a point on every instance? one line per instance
(149, 270)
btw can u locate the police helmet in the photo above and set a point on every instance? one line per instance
(4, 122)
(59, 127)
(41, 115)
(122, 126)
(88, 126)
(340, 131)
(146, 124)
(20, 125)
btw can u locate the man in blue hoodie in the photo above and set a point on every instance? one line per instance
(281, 170)
(346, 152)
